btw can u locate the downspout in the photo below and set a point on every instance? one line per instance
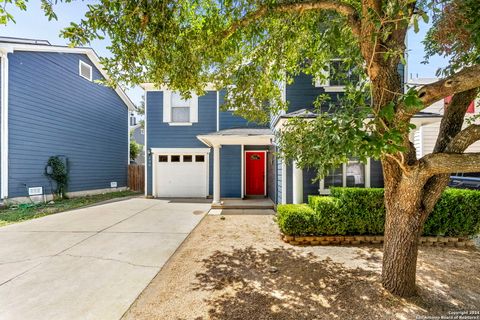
(4, 51)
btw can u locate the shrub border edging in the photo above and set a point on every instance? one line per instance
(356, 240)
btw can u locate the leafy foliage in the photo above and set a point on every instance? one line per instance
(59, 174)
(455, 33)
(135, 149)
(357, 211)
(16, 213)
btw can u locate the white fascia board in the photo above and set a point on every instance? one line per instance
(87, 51)
(217, 140)
(180, 150)
(149, 86)
(421, 121)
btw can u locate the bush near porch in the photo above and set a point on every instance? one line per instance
(356, 211)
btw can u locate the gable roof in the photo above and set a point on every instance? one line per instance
(9, 45)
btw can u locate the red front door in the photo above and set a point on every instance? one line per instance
(255, 173)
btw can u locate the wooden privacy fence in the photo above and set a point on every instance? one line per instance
(136, 177)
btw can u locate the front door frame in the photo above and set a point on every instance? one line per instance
(244, 175)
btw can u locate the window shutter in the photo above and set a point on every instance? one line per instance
(194, 108)
(167, 106)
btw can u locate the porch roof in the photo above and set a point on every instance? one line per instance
(238, 136)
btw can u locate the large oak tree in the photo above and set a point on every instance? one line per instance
(259, 44)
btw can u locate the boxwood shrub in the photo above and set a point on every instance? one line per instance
(359, 211)
(296, 219)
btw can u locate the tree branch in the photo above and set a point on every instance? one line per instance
(345, 9)
(464, 139)
(453, 118)
(441, 163)
(466, 79)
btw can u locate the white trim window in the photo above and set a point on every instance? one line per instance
(179, 111)
(353, 174)
(85, 70)
(329, 79)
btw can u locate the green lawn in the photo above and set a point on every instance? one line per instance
(16, 213)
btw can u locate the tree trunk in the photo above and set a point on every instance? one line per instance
(403, 226)
(400, 246)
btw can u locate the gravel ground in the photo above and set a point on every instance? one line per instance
(236, 267)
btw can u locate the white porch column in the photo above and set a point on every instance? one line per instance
(216, 173)
(297, 183)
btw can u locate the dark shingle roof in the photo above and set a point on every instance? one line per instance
(308, 113)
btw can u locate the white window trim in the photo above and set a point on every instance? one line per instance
(325, 83)
(167, 109)
(180, 124)
(367, 172)
(80, 64)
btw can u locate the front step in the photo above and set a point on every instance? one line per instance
(263, 203)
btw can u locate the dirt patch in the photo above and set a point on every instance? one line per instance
(236, 267)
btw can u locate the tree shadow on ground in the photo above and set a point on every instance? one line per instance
(280, 283)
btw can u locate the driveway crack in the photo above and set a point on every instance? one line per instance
(111, 259)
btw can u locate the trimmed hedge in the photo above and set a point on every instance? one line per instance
(297, 217)
(361, 211)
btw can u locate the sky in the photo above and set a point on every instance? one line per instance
(33, 24)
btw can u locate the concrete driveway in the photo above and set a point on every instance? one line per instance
(89, 263)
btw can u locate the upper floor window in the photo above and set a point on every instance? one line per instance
(336, 76)
(85, 70)
(133, 120)
(179, 111)
(180, 108)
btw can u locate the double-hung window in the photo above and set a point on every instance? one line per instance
(180, 108)
(179, 111)
(351, 174)
(336, 76)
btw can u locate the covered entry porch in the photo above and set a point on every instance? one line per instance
(240, 163)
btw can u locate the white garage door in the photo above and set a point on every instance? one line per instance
(181, 175)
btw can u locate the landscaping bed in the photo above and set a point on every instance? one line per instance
(360, 212)
(237, 267)
(27, 211)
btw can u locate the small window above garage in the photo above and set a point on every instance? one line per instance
(85, 70)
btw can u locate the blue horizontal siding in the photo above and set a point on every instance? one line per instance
(279, 180)
(162, 135)
(309, 187)
(0, 120)
(230, 171)
(302, 93)
(54, 111)
(229, 120)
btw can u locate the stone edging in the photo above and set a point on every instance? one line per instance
(356, 240)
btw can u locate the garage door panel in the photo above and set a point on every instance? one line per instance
(181, 179)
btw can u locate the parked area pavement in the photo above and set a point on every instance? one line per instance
(90, 263)
(234, 266)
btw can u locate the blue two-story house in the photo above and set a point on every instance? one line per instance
(196, 149)
(53, 105)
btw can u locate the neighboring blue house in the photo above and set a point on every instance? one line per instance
(194, 149)
(51, 105)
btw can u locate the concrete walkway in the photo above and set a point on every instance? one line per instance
(89, 263)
